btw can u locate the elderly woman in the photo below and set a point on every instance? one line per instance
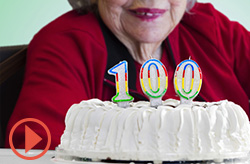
(68, 59)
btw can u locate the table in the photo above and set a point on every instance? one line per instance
(7, 156)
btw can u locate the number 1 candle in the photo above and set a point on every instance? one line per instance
(122, 97)
(187, 80)
(154, 81)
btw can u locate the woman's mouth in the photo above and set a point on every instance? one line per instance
(147, 14)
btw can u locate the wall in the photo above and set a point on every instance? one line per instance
(21, 19)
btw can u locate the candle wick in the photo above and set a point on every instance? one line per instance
(189, 57)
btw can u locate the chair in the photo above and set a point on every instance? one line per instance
(12, 63)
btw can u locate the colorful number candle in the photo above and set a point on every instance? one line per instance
(187, 80)
(154, 81)
(122, 97)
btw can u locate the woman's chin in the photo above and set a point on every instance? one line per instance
(149, 36)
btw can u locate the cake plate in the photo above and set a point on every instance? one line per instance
(62, 156)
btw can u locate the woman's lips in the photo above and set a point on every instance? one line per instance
(147, 13)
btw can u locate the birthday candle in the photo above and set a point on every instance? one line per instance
(187, 80)
(154, 81)
(122, 97)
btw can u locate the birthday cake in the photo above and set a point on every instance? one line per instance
(156, 130)
(170, 132)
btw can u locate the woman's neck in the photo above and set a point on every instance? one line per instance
(142, 52)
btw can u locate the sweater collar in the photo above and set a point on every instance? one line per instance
(117, 52)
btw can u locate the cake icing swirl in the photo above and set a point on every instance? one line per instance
(201, 131)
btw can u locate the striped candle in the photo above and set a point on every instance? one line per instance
(188, 80)
(154, 73)
(122, 96)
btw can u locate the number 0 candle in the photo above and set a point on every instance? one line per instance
(187, 80)
(154, 81)
(122, 96)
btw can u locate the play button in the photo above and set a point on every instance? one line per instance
(31, 138)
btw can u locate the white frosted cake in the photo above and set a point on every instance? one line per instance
(170, 132)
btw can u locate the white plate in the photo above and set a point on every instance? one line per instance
(62, 155)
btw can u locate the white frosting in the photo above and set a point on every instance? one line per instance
(201, 131)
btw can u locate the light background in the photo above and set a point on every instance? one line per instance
(21, 19)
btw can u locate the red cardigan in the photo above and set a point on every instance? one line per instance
(67, 62)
